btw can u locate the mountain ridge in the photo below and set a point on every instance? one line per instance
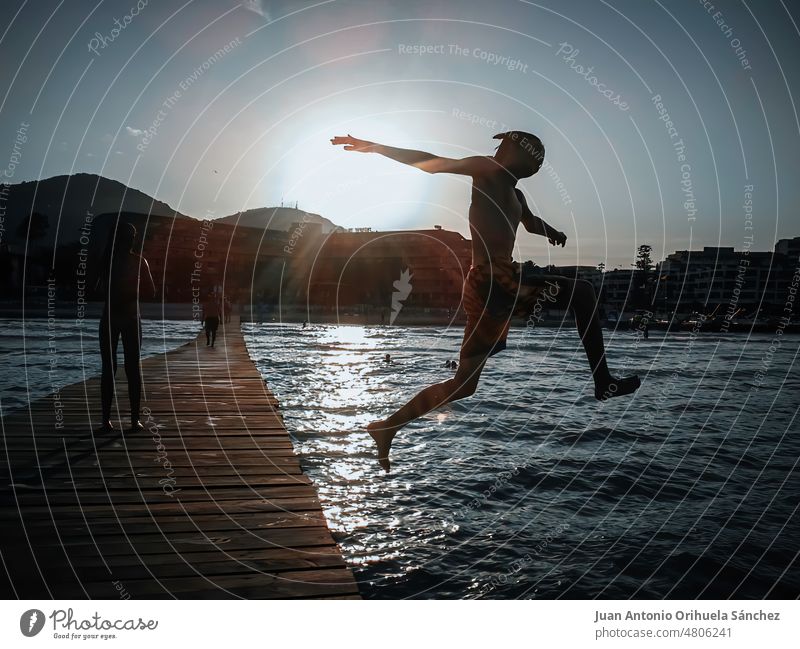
(63, 202)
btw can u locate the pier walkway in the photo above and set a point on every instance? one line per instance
(209, 501)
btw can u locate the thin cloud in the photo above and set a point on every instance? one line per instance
(257, 7)
(135, 132)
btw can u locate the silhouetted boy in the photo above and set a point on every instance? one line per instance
(494, 290)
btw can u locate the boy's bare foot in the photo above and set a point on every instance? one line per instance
(616, 387)
(383, 434)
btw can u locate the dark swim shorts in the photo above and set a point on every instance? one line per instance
(493, 294)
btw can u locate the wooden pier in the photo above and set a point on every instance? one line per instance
(209, 501)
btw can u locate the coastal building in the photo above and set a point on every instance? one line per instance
(365, 268)
(365, 271)
(716, 276)
(188, 257)
(789, 247)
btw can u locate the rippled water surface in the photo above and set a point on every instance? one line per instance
(531, 488)
(39, 357)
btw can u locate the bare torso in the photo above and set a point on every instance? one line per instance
(122, 290)
(494, 215)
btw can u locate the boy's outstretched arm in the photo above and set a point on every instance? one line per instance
(536, 225)
(428, 162)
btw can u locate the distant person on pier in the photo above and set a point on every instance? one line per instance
(119, 281)
(494, 289)
(227, 308)
(211, 314)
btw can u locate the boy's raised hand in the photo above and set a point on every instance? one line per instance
(352, 143)
(558, 239)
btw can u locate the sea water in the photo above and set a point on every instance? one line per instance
(40, 356)
(531, 488)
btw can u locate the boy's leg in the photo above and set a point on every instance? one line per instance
(579, 297)
(109, 338)
(132, 347)
(462, 385)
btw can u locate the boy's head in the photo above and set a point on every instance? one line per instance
(522, 154)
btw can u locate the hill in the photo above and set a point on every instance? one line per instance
(61, 204)
(276, 218)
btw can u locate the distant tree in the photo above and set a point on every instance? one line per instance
(644, 271)
(33, 227)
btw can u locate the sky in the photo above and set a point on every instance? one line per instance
(663, 122)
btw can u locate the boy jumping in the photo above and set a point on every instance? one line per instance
(494, 290)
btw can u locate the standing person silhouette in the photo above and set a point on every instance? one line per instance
(211, 313)
(119, 280)
(494, 289)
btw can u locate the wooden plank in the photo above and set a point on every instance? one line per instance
(26, 497)
(99, 512)
(290, 584)
(80, 509)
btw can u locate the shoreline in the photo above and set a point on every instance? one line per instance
(373, 317)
